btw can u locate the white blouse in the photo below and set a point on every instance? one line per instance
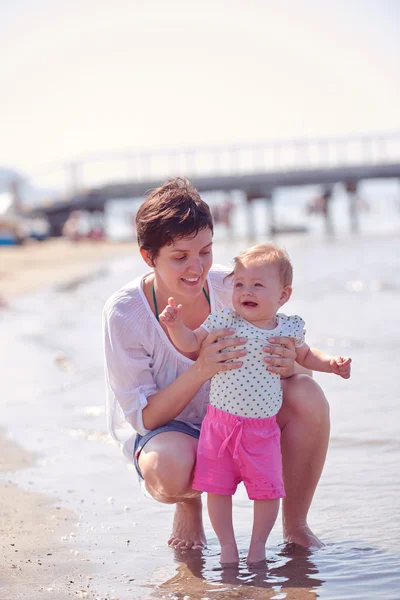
(140, 359)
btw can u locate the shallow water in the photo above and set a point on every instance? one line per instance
(348, 291)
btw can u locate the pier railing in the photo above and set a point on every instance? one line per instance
(101, 168)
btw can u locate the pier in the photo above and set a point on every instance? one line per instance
(256, 169)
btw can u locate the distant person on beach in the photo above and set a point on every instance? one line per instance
(240, 438)
(222, 213)
(83, 226)
(322, 204)
(158, 396)
(72, 228)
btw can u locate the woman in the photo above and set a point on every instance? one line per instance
(162, 394)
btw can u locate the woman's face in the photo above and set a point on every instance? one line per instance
(182, 267)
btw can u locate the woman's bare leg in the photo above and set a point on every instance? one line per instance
(305, 425)
(167, 463)
(220, 513)
(265, 513)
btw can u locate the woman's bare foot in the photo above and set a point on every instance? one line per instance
(256, 553)
(302, 536)
(229, 555)
(187, 529)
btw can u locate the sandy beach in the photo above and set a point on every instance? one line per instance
(36, 561)
(36, 265)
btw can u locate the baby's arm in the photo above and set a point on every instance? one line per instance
(316, 360)
(182, 337)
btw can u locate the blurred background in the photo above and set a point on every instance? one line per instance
(98, 97)
(286, 117)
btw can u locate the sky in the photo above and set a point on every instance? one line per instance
(78, 77)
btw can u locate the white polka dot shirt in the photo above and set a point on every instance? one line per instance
(251, 390)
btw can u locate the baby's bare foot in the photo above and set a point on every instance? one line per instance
(187, 529)
(302, 536)
(229, 555)
(256, 553)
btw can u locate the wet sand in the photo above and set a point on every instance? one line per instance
(35, 561)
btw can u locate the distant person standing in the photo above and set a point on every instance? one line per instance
(321, 204)
(222, 213)
(70, 229)
(78, 227)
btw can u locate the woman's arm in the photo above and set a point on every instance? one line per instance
(128, 368)
(168, 403)
(132, 394)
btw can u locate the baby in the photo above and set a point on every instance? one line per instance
(240, 438)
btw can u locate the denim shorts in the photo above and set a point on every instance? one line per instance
(141, 440)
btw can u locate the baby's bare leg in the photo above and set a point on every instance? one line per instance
(220, 513)
(265, 513)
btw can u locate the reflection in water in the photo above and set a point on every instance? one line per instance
(289, 574)
(346, 571)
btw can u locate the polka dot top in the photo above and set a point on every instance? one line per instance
(251, 390)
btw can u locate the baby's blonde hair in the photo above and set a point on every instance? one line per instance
(268, 254)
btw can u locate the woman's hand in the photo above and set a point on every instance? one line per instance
(283, 356)
(219, 353)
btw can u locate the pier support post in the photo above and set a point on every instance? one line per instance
(398, 199)
(269, 197)
(251, 231)
(326, 207)
(268, 194)
(351, 188)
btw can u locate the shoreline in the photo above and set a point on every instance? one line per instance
(34, 266)
(32, 527)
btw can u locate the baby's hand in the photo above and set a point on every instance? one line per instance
(171, 315)
(341, 365)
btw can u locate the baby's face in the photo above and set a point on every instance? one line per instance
(257, 292)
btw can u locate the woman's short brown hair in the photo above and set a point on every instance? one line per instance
(171, 211)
